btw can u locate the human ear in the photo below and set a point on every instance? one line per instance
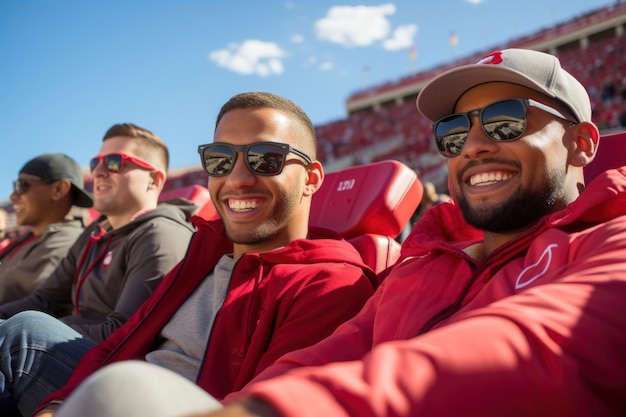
(585, 144)
(60, 189)
(157, 179)
(315, 178)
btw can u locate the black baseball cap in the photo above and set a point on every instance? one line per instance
(58, 166)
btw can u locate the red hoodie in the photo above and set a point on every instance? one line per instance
(538, 328)
(277, 302)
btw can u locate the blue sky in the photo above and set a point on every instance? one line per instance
(69, 69)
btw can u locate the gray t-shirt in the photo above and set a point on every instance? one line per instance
(183, 340)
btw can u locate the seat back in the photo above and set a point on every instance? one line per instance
(378, 198)
(611, 154)
(369, 206)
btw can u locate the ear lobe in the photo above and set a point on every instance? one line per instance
(315, 178)
(586, 140)
(158, 180)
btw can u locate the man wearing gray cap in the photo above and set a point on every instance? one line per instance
(44, 193)
(507, 300)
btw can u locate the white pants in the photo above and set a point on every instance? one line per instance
(138, 389)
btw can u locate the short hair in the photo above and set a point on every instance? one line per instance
(257, 100)
(150, 142)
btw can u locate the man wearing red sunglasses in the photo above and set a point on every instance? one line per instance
(507, 301)
(111, 269)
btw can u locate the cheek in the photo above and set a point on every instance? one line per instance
(213, 185)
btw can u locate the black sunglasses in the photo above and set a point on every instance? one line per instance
(114, 162)
(21, 185)
(502, 121)
(262, 158)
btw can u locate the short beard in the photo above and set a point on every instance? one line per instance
(523, 210)
(273, 225)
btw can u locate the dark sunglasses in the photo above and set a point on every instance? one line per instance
(502, 121)
(262, 158)
(114, 162)
(21, 185)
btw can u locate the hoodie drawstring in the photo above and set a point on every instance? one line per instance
(78, 282)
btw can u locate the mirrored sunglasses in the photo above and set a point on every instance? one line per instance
(261, 158)
(114, 162)
(502, 121)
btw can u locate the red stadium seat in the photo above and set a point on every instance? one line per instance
(376, 198)
(369, 206)
(611, 154)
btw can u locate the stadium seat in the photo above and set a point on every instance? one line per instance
(611, 154)
(369, 206)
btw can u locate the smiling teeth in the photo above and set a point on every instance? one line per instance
(242, 205)
(487, 178)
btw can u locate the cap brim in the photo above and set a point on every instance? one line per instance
(438, 98)
(81, 198)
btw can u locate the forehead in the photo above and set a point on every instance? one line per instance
(242, 126)
(120, 144)
(487, 93)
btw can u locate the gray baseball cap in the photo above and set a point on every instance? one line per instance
(538, 71)
(58, 166)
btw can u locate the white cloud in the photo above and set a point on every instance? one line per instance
(326, 66)
(355, 26)
(251, 57)
(297, 38)
(402, 38)
(475, 2)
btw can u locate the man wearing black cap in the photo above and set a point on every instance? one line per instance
(507, 301)
(44, 193)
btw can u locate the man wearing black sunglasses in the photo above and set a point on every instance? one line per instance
(111, 269)
(508, 300)
(47, 197)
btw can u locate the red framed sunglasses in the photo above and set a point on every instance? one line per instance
(114, 162)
